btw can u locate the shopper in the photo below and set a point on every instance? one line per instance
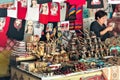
(116, 19)
(116, 13)
(98, 26)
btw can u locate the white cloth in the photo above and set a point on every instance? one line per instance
(114, 1)
(63, 11)
(32, 12)
(12, 11)
(38, 29)
(64, 26)
(58, 1)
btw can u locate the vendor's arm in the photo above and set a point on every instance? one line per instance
(106, 30)
(96, 28)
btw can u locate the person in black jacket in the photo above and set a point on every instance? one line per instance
(98, 26)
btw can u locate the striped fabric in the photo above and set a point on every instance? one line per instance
(71, 12)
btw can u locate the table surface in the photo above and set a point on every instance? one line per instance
(72, 76)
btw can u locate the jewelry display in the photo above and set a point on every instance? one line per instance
(79, 54)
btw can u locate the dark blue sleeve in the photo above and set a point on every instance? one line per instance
(95, 28)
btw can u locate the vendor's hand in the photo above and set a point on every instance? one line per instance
(110, 28)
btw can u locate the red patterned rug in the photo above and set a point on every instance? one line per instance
(9, 46)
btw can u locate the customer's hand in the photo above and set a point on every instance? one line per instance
(115, 34)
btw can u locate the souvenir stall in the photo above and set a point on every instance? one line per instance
(51, 40)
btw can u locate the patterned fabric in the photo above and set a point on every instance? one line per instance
(79, 12)
(54, 12)
(116, 19)
(71, 12)
(97, 77)
(16, 29)
(43, 1)
(63, 8)
(86, 12)
(78, 25)
(12, 12)
(30, 15)
(95, 4)
(112, 73)
(9, 46)
(72, 25)
(4, 23)
(22, 10)
(44, 13)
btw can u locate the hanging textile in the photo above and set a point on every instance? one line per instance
(54, 15)
(22, 9)
(12, 11)
(64, 25)
(63, 8)
(43, 1)
(44, 13)
(95, 4)
(16, 29)
(32, 10)
(78, 25)
(38, 30)
(76, 2)
(4, 23)
(116, 19)
(114, 1)
(71, 12)
(71, 25)
(79, 13)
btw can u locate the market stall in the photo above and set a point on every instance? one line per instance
(73, 61)
(52, 40)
